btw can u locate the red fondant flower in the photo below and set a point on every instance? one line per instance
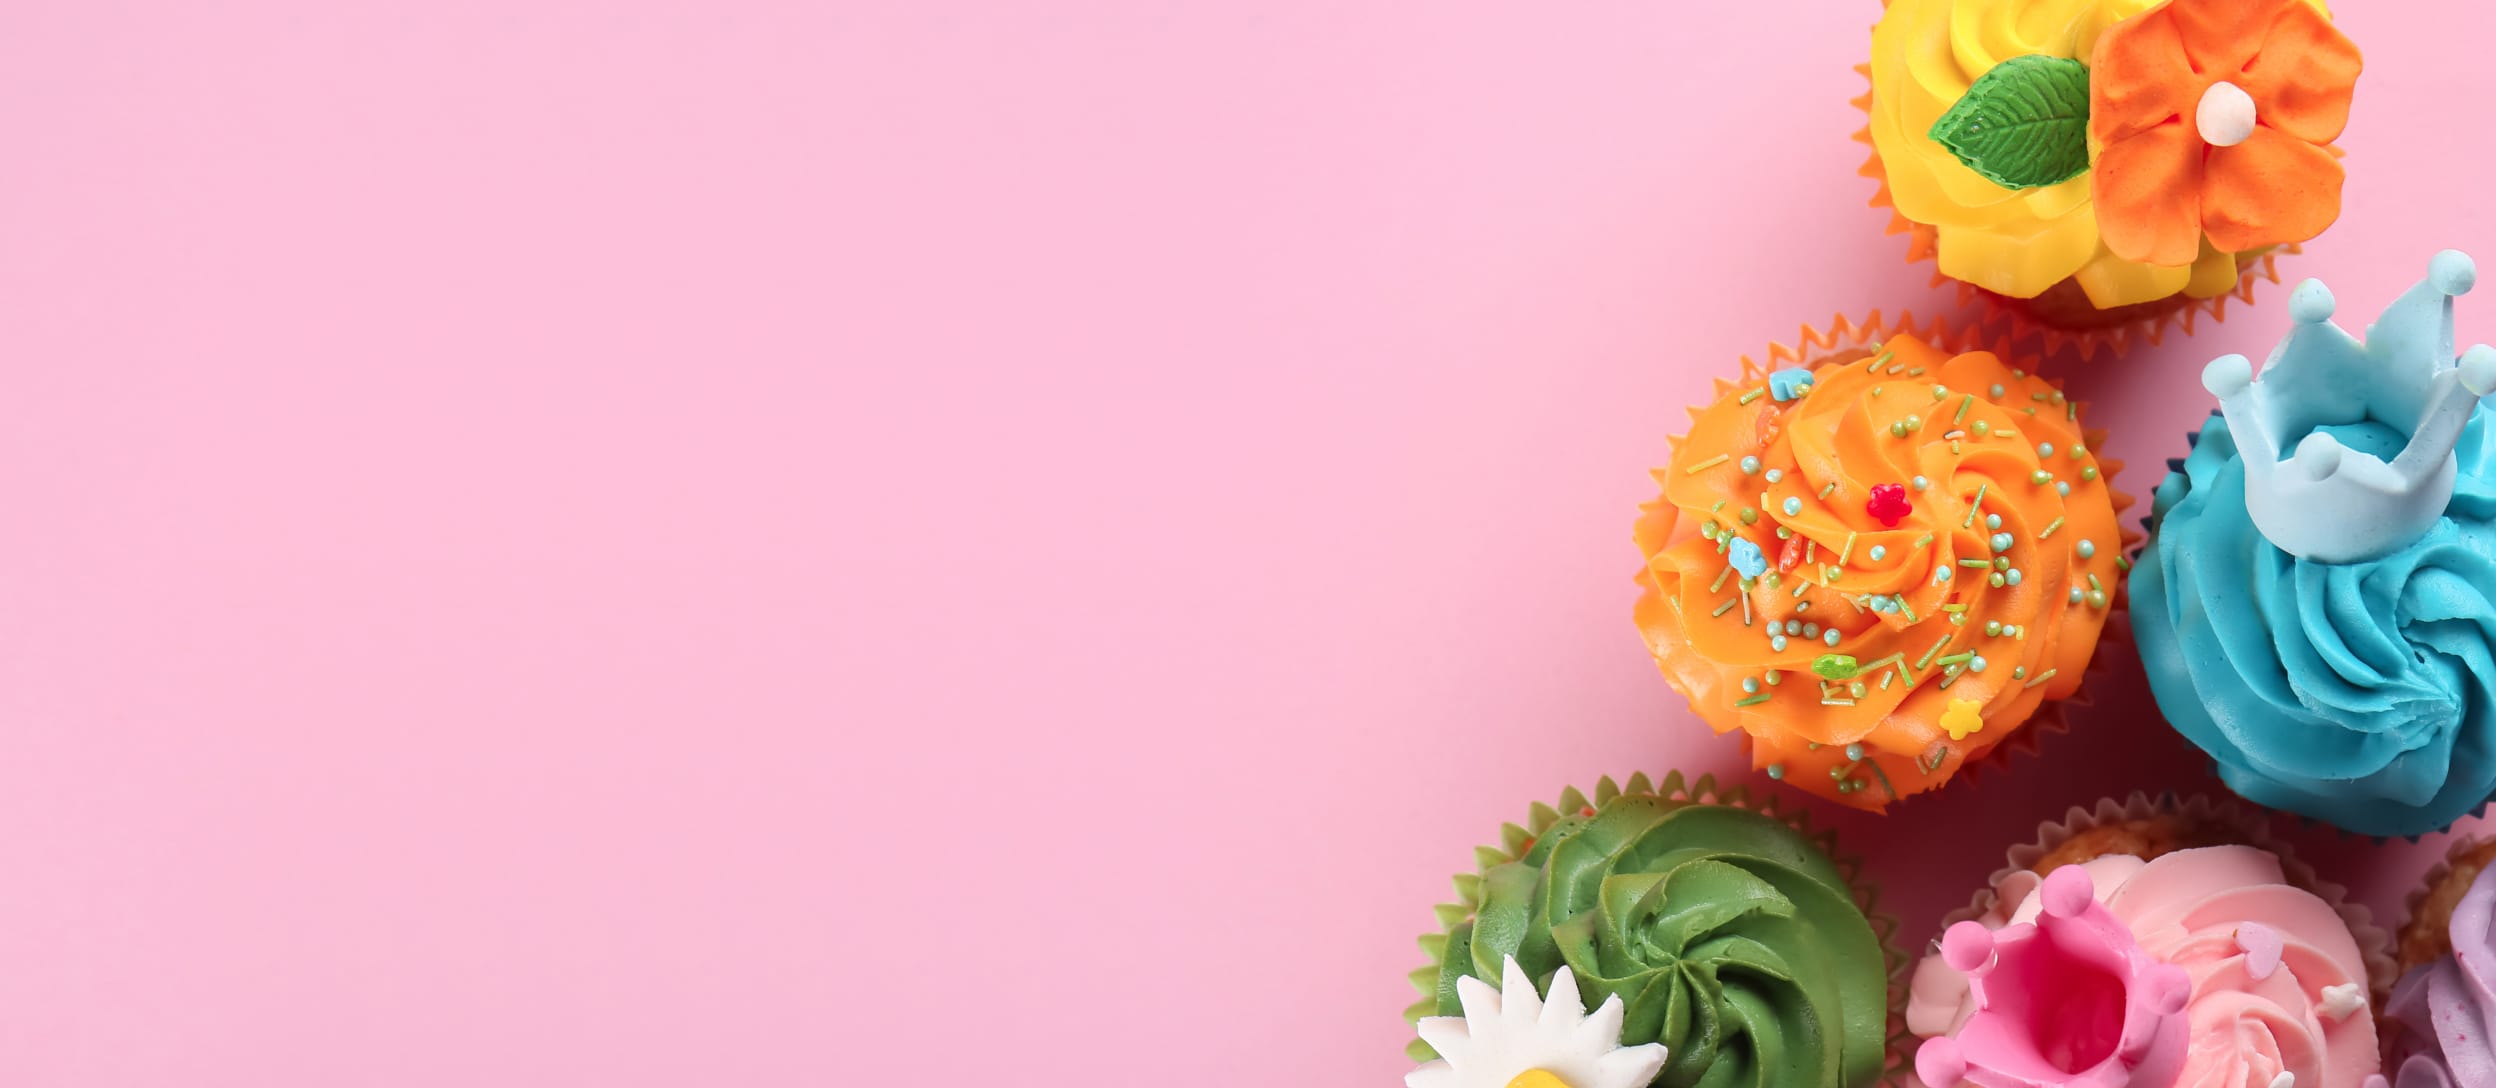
(2214, 117)
(1888, 504)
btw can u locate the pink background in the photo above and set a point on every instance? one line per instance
(632, 543)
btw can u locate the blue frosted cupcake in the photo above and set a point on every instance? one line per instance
(2317, 603)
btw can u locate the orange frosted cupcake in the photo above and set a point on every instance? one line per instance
(1880, 559)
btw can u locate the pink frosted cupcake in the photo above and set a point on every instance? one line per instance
(2217, 966)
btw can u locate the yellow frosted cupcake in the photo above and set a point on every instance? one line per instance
(2098, 168)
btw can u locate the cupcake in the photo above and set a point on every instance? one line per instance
(2323, 626)
(2097, 168)
(2216, 965)
(1879, 558)
(1720, 942)
(2436, 1025)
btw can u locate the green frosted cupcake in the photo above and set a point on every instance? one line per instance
(1692, 917)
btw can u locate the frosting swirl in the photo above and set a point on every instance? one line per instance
(1727, 935)
(2442, 1013)
(2355, 693)
(1944, 545)
(2278, 982)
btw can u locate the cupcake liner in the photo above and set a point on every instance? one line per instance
(1515, 839)
(2113, 331)
(1812, 345)
(2417, 945)
(2247, 826)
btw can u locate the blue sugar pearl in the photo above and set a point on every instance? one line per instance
(2011, 576)
(1829, 637)
(1793, 506)
(2001, 542)
(1811, 630)
(2075, 595)
(1776, 772)
(1995, 391)
(1793, 627)
(1854, 751)
(2045, 449)
(1775, 474)
(1879, 553)
(2062, 489)
(2088, 549)
(1746, 558)
(1750, 465)
(1787, 384)
(1941, 575)
(1993, 521)
(1750, 685)
(1920, 483)
(1976, 664)
(1777, 644)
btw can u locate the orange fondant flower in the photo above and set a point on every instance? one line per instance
(2214, 117)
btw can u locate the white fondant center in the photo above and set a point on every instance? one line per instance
(2225, 116)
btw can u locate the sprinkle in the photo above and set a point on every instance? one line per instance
(1957, 658)
(2040, 678)
(1824, 492)
(2087, 549)
(1954, 608)
(1726, 607)
(1927, 659)
(1753, 395)
(1902, 607)
(1923, 540)
(1963, 405)
(1972, 505)
(1719, 583)
(1950, 676)
(2124, 564)
(1705, 465)
(2057, 523)
(1755, 700)
(1846, 551)
(1746, 609)
(1979, 564)
(1837, 702)
(2094, 584)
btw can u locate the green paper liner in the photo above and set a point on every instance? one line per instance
(2374, 943)
(1705, 790)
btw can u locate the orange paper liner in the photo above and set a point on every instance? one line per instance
(2022, 320)
(2373, 942)
(1515, 839)
(1843, 333)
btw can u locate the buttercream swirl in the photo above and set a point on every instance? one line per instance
(2441, 1020)
(1944, 545)
(1728, 936)
(2356, 693)
(2295, 1008)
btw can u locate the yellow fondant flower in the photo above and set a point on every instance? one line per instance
(1964, 717)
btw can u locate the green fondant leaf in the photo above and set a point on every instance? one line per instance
(2023, 124)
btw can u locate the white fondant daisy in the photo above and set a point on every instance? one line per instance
(1507, 1035)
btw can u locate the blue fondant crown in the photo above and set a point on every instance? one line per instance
(2328, 502)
